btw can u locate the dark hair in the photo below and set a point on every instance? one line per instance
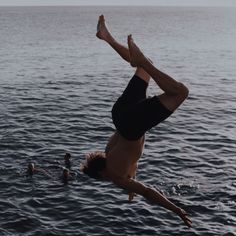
(67, 155)
(94, 164)
(67, 158)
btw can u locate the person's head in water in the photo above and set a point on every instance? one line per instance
(31, 168)
(94, 165)
(67, 159)
(65, 174)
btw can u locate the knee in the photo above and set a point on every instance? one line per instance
(183, 91)
(141, 73)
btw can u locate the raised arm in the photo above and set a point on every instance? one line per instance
(45, 172)
(153, 196)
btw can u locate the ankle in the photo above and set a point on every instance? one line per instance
(111, 41)
(145, 60)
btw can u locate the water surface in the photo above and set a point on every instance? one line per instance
(57, 86)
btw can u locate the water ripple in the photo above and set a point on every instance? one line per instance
(57, 90)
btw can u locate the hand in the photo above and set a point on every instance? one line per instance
(131, 196)
(184, 216)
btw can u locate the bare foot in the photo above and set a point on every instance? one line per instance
(102, 31)
(136, 56)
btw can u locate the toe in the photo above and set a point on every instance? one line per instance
(129, 39)
(101, 18)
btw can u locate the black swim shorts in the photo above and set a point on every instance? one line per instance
(133, 113)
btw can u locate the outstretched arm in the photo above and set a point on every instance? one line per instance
(153, 196)
(39, 170)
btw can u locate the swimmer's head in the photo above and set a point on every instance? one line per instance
(31, 168)
(65, 174)
(67, 156)
(94, 164)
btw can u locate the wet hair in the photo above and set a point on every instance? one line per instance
(67, 156)
(94, 164)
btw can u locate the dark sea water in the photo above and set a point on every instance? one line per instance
(57, 86)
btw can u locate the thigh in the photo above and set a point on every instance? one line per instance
(171, 102)
(133, 121)
(149, 113)
(135, 90)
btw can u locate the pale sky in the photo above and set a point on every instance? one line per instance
(119, 2)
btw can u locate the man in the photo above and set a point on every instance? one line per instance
(68, 175)
(31, 170)
(133, 114)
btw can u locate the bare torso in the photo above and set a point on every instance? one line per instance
(122, 156)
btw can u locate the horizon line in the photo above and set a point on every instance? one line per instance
(105, 5)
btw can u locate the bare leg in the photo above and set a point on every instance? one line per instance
(174, 92)
(104, 34)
